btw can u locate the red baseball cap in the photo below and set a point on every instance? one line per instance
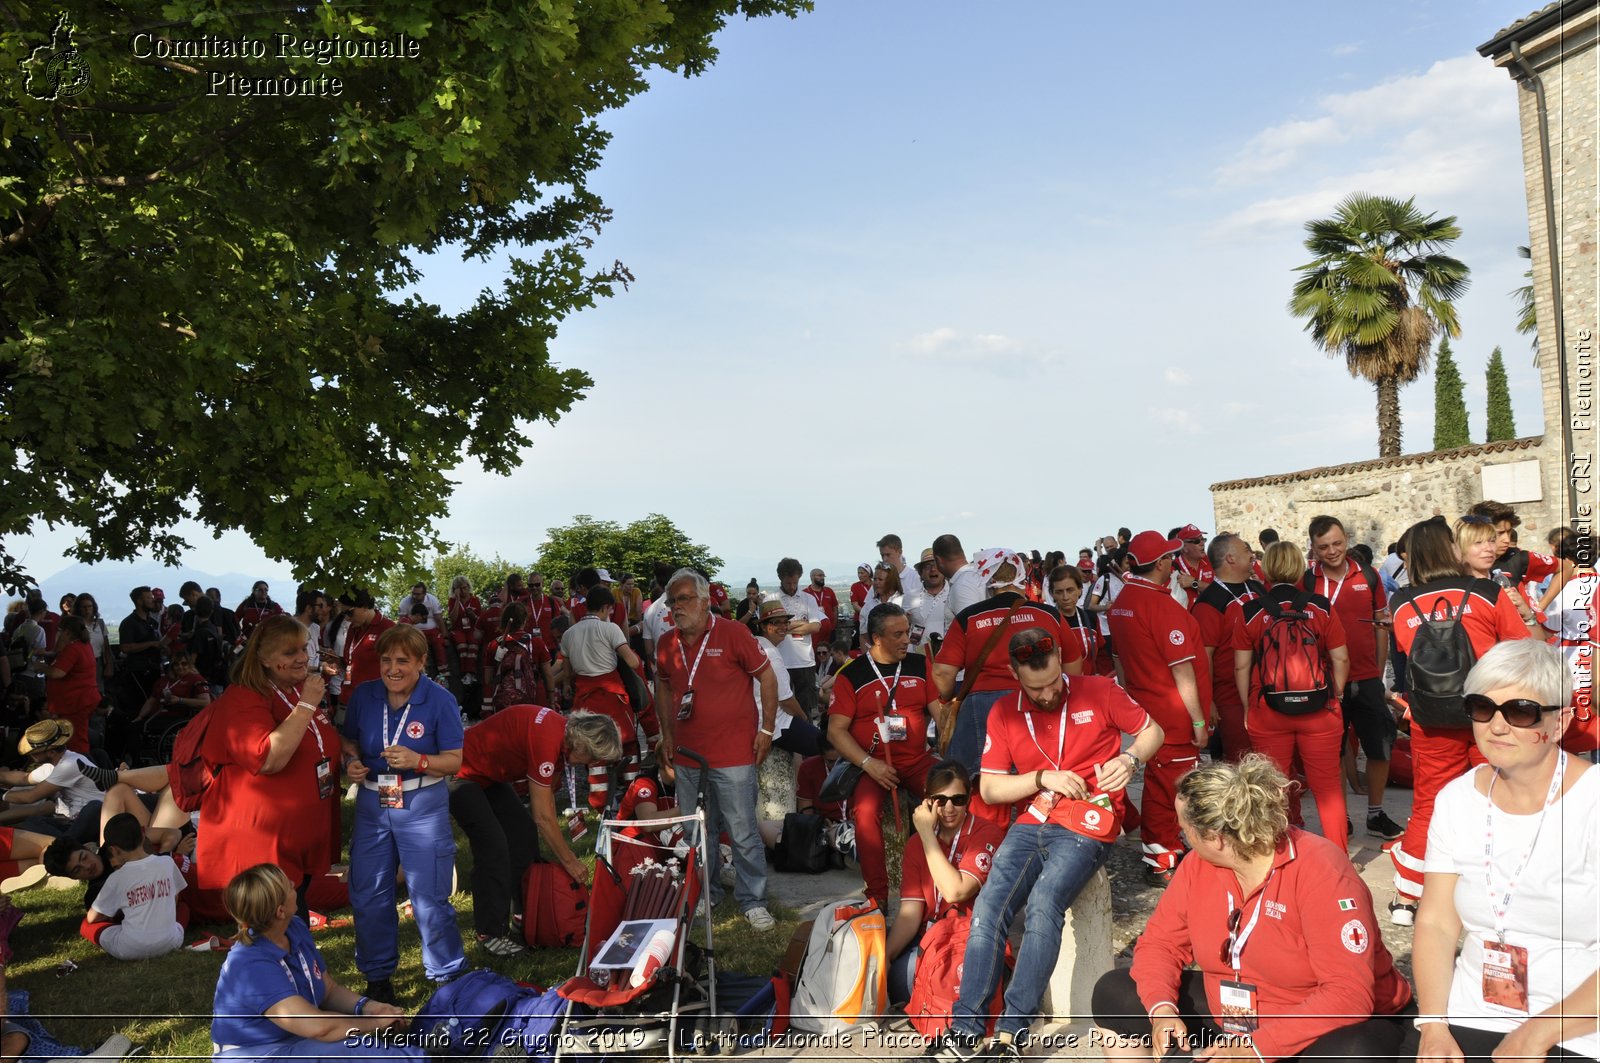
(1148, 547)
(1189, 531)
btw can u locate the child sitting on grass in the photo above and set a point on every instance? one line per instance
(142, 891)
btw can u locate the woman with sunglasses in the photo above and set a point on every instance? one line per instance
(1265, 946)
(1512, 860)
(946, 862)
(1441, 734)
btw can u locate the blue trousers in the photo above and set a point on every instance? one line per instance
(1041, 866)
(972, 727)
(310, 1050)
(416, 837)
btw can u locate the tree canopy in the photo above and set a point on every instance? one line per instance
(1449, 402)
(204, 254)
(1502, 425)
(635, 548)
(1377, 290)
(437, 572)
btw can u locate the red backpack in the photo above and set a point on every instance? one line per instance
(939, 969)
(517, 676)
(555, 907)
(190, 774)
(1290, 665)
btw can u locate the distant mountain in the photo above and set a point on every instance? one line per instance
(110, 582)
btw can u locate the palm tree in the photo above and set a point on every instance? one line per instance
(1377, 292)
(1527, 313)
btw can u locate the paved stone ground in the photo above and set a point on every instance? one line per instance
(1132, 902)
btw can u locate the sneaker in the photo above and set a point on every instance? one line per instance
(1160, 879)
(1381, 826)
(24, 879)
(952, 1047)
(760, 919)
(504, 945)
(1401, 913)
(1002, 1046)
(382, 990)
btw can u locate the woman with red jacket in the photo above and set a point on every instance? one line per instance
(1281, 929)
(1441, 733)
(72, 691)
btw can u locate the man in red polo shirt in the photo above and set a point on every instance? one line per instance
(828, 602)
(361, 641)
(1216, 612)
(706, 704)
(1164, 662)
(542, 612)
(521, 742)
(1357, 598)
(1191, 569)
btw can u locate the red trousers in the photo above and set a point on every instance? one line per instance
(1437, 757)
(1317, 738)
(1159, 838)
(866, 812)
(1230, 726)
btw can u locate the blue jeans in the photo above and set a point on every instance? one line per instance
(731, 807)
(1040, 866)
(972, 727)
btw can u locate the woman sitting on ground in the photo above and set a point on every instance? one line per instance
(1525, 983)
(946, 862)
(1280, 927)
(274, 997)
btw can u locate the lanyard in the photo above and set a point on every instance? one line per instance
(1504, 904)
(1061, 728)
(399, 728)
(1240, 598)
(572, 787)
(1083, 636)
(316, 732)
(1328, 584)
(955, 848)
(885, 682)
(705, 640)
(1249, 928)
(311, 985)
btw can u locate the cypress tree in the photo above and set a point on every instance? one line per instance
(1449, 402)
(1501, 424)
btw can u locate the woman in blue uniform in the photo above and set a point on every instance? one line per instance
(402, 738)
(274, 997)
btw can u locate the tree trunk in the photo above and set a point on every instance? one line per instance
(1388, 417)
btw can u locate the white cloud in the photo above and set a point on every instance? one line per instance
(1344, 49)
(1182, 420)
(928, 342)
(1277, 148)
(952, 345)
(1175, 376)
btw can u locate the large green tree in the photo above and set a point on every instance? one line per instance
(1449, 402)
(1502, 425)
(203, 308)
(635, 548)
(1377, 290)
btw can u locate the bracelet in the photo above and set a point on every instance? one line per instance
(361, 1005)
(864, 761)
(312, 709)
(1038, 779)
(1137, 763)
(769, 734)
(1424, 1020)
(1199, 725)
(422, 762)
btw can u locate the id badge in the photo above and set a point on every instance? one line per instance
(686, 705)
(1505, 976)
(892, 728)
(917, 632)
(577, 826)
(390, 793)
(1042, 803)
(324, 779)
(1238, 1007)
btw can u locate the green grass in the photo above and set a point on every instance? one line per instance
(165, 1003)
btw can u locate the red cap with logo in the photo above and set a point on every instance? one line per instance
(1148, 547)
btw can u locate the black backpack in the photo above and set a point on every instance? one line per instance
(1290, 664)
(804, 846)
(211, 658)
(1441, 655)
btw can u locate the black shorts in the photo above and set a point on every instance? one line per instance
(1367, 712)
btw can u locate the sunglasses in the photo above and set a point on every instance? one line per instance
(1041, 649)
(940, 800)
(1233, 936)
(1473, 518)
(1518, 712)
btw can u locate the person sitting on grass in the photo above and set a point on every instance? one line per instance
(274, 998)
(73, 781)
(136, 914)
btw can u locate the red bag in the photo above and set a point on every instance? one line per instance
(555, 907)
(189, 773)
(938, 983)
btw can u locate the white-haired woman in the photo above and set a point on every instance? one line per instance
(1512, 860)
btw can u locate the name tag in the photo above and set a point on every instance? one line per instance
(1505, 976)
(892, 728)
(390, 793)
(1239, 1013)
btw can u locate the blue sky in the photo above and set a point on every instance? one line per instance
(1016, 271)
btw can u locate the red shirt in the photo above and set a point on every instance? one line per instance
(1356, 600)
(489, 623)
(78, 690)
(1085, 731)
(464, 617)
(1315, 954)
(249, 614)
(722, 728)
(862, 696)
(1250, 625)
(828, 602)
(1087, 636)
(519, 742)
(808, 781)
(972, 853)
(542, 613)
(858, 593)
(1216, 612)
(1151, 632)
(361, 653)
(1488, 615)
(1187, 572)
(973, 625)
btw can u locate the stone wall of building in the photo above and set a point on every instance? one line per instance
(1377, 500)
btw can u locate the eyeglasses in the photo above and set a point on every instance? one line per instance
(1041, 649)
(940, 800)
(1518, 712)
(683, 599)
(1233, 935)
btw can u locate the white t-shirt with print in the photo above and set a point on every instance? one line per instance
(76, 790)
(145, 892)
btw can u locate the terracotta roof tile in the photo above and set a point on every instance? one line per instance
(1380, 463)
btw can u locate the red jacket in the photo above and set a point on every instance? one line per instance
(1315, 955)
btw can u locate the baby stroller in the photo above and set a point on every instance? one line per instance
(647, 875)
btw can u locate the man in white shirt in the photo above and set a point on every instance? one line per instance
(792, 730)
(805, 618)
(926, 605)
(967, 585)
(75, 783)
(421, 596)
(892, 551)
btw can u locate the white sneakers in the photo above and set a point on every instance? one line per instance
(760, 919)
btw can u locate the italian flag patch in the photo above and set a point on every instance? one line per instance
(1347, 904)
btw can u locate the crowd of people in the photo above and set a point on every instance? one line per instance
(1006, 699)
